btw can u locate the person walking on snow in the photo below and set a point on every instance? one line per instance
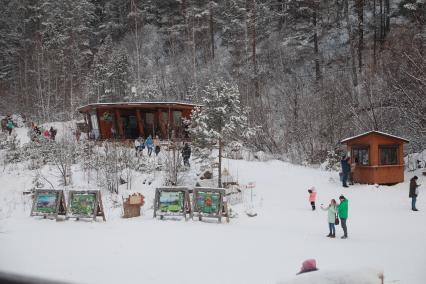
(46, 134)
(312, 197)
(414, 192)
(346, 169)
(149, 145)
(186, 154)
(9, 126)
(156, 145)
(332, 211)
(342, 209)
(139, 146)
(52, 133)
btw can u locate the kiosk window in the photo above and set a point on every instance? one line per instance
(360, 156)
(388, 155)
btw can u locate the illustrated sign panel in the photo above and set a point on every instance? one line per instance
(83, 204)
(172, 201)
(208, 202)
(48, 202)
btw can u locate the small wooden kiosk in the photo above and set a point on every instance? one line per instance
(133, 119)
(376, 157)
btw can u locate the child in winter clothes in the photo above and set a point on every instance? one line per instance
(332, 210)
(312, 197)
(156, 145)
(139, 146)
(149, 144)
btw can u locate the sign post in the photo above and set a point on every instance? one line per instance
(250, 211)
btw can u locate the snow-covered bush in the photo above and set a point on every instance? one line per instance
(332, 162)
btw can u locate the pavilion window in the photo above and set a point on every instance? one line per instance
(95, 125)
(360, 156)
(388, 154)
(177, 118)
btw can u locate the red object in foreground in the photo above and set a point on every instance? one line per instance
(308, 266)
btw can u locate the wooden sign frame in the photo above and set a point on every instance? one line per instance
(186, 199)
(223, 206)
(61, 206)
(98, 206)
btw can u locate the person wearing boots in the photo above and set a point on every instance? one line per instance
(346, 169)
(312, 197)
(186, 154)
(414, 192)
(331, 217)
(342, 209)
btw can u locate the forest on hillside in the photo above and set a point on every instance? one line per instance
(310, 72)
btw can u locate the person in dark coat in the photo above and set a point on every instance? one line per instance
(186, 154)
(414, 192)
(52, 132)
(346, 169)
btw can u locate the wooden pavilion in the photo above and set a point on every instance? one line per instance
(376, 157)
(133, 119)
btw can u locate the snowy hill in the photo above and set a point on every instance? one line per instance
(384, 234)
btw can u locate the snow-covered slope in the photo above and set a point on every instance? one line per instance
(384, 235)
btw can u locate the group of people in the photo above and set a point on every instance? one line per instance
(149, 143)
(335, 212)
(46, 134)
(154, 145)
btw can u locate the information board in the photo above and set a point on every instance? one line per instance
(48, 203)
(209, 202)
(85, 204)
(172, 201)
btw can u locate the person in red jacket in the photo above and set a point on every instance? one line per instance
(312, 197)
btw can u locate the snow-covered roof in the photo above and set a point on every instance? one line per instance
(94, 105)
(374, 132)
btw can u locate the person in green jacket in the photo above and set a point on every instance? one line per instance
(331, 209)
(342, 209)
(10, 126)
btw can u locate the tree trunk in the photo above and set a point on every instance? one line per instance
(360, 10)
(375, 33)
(211, 29)
(317, 63)
(219, 179)
(351, 44)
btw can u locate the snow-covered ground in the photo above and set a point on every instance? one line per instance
(384, 235)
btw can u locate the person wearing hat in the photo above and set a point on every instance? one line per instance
(346, 169)
(414, 192)
(308, 266)
(342, 209)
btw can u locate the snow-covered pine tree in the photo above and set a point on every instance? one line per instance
(221, 120)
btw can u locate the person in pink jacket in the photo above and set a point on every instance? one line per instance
(312, 197)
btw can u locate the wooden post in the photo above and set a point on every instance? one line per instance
(119, 123)
(160, 122)
(140, 122)
(89, 124)
(219, 180)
